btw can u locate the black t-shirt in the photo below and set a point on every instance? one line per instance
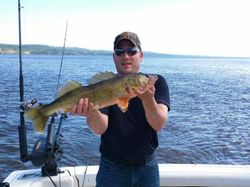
(129, 136)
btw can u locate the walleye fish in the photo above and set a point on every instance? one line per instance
(102, 93)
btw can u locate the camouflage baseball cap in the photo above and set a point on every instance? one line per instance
(128, 36)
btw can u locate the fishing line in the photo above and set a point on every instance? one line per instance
(50, 178)
(59, 75)
(78, 183)
(84, 176)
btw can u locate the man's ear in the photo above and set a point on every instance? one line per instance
(141, 55)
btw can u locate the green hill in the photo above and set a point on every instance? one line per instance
(47, 50)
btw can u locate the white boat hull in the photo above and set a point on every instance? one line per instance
(170, 175)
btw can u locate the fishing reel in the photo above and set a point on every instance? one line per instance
(47, 150)
(28, 105)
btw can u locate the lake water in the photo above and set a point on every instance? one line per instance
(209, 121)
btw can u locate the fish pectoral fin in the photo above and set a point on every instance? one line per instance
(123, 104)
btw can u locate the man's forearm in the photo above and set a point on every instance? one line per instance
(156, 114)
(97, 121)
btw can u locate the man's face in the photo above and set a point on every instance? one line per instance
(129, 61)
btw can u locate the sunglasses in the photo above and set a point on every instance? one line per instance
(129, 51)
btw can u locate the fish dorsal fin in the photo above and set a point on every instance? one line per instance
(101, 77)
(67, 88)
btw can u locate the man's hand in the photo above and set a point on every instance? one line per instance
(83, 108)
(145, 92)
(97, 121)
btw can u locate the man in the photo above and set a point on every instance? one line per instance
(129, 140)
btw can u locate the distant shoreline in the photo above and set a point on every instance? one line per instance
(37, 49)
(40, 49)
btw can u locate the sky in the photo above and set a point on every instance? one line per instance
(185, 27)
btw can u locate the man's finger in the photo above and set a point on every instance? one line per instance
(129, 90)
(73, 110)
(85, 105)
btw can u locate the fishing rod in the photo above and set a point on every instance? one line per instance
(21, 128)
(47, 150)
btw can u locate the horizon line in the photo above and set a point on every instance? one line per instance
(146, 51)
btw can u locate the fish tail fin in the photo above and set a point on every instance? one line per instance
(39, 119)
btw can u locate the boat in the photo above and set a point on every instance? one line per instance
(170, 175)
